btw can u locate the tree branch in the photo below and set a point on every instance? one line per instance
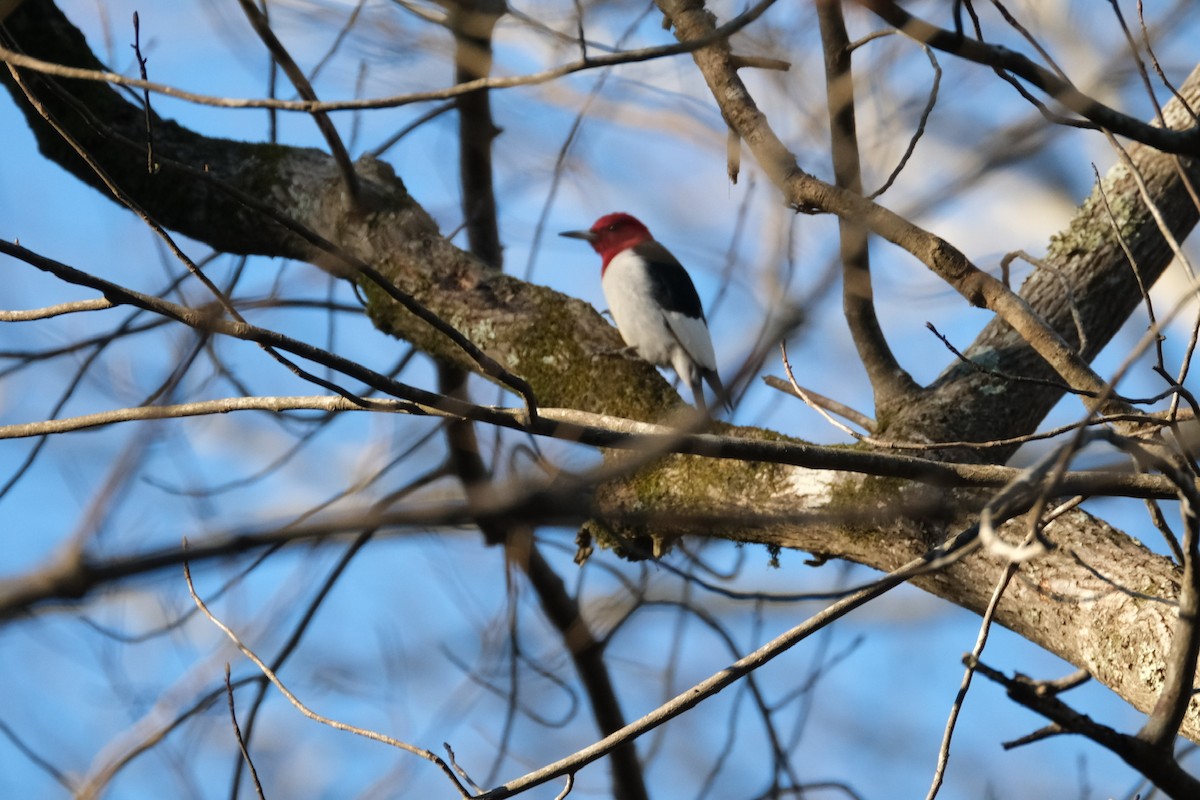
(1162, 769)
(893, 386)
(1180, 141)
(806, 193)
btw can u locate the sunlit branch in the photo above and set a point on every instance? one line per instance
(305, 710)
(807, 193)
(395, 101)
(337, 148)
(1183, 142)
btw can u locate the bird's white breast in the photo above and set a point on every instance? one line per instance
(660, 336)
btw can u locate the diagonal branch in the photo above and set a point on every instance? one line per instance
(806, 193)
(706, 688)
(1162, 769)
(305, 710)
(893, 386)
(1182, 142)
(262, 27)
(97, 73)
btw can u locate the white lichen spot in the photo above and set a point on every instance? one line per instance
(813, 487)
(1148, 664)
(482, 332)
(550, 361)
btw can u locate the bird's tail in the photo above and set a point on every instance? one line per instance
(714, 380)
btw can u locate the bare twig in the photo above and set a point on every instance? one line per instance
(981, 641)
(311, 106)
(462, 773)
(828, 403)
(922, 121)
(32, 314)
(57, 775)
(337, 148)
(237, 733)
(960, 698)
(810, 402)
(305, 710)
(200, 408)
(703, 690)
(1156, 765)
(151, 166)
(1009, 61)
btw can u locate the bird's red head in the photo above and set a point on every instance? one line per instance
(613, 233)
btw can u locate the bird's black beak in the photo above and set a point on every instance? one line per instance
(587, 236)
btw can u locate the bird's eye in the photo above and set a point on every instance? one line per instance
(612, 227)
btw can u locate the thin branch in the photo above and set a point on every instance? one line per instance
(78, 306)
(803, 395)
(1005, 376)
(891, 383)
(1159, 767)
(337, 148)
(151, 166)
(338, 40)
(305, 710)
(302, 626)
(59, 776)
(201, 408)
(981, 639)
(702, 690)
(829, 404)
(310, 106)
(1159, 418)
(964, 686)
(1183, 142)
(237, 733)
(588, 656)
(922, 121)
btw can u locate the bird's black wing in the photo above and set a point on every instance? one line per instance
(671, 286)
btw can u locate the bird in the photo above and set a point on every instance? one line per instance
(653, 302)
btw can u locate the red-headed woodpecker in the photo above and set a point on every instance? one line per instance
(653, 302)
